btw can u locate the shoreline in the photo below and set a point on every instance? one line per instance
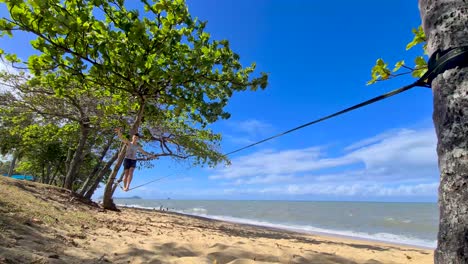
(278, 227)
(234, 243)
(45, 224)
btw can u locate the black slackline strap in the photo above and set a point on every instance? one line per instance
(442, 61)
(439, 62)
(158, 179)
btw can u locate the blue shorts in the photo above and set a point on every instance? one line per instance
(129, 163)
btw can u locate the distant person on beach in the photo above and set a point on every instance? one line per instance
(130, 157)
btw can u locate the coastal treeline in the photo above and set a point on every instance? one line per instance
(96, 65)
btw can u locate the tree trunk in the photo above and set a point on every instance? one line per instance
(76, 161)
(48, 172)
(89, 193)
(69, 157)
(108, 203)
(89, 181)
(43, 174)
(51, 180)
(446, 25)
(12, 164)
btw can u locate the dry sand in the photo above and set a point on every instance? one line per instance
(68, 231)
(142, 236)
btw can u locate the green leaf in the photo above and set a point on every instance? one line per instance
(12, 58)
(420, 62)
(419, 72)
(421, 67)
(380, 62)
(398, 65)
(419, 37)
(379, 72)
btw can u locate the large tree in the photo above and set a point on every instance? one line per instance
(446, 26)
(76, 108)
(161, 56)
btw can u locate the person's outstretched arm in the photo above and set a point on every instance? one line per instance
(147, 153)
(119, 134)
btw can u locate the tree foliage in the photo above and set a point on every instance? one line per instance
(381, 71)
(99, 65)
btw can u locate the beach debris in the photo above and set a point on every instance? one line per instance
(77, 235)
(37, 221)
(32, 221)
(103, 259)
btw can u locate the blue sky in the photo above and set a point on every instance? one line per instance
(318, 55)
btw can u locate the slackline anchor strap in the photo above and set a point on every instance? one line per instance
(441, 61)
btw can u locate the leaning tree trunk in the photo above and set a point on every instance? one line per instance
(445, 23)
(90, 179)
(12, 164)
(90, 191)
(57, 169)
(108, 203)
(77, 157)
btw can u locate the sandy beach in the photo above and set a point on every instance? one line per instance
(43, 224)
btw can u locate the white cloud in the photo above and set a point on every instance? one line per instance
(6, 85)
(265, 179)
(403, 152)
(238, 139)
(357, 189)
(369, 141)
(395, 163)
(252, 127)
(184, 179)
(408, 153)
(248, 131)
(5, 66)
(282, 162)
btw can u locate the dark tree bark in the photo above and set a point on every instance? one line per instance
(89, 193)
(445, 23)
(12, 164)
(77, 157)
(57, 169)
(92, 177)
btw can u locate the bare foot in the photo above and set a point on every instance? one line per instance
(125, 189)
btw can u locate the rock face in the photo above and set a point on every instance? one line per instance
(445, 23)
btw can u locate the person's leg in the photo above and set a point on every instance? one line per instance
(127, 164)
(130, 177)
(125, 179)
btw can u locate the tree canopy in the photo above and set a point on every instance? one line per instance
(100, 65)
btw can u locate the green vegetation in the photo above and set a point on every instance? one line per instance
(381, 72)
(98, 66)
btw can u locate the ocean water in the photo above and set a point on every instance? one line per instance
(402, 223)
